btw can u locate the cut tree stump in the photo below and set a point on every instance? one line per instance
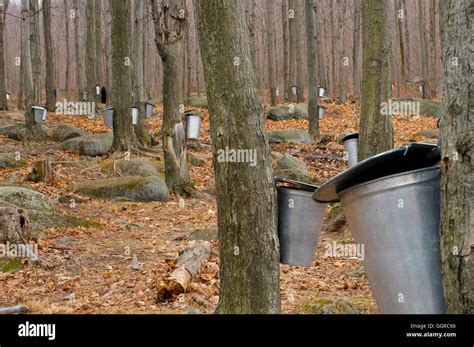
(42, 171)
(188, 265)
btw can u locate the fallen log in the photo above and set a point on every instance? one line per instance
(20, 309)
(188, 265)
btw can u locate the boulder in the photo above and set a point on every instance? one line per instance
(291, 136)
(19, 132)
(200, 101)
(66, 132)
(204, 235)
(11, 131)
(136, 188)
(431, 108)
(292, 111)
(196, 160)
(288, 162)
(337, 305)
(135, 167)
(429, 133)
(8, 160)
(91, 145)
(24, 198)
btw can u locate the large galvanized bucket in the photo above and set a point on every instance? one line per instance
(134, 115)
(40, 114)
(108, 117)
(193, 125)
(351, 147)
(397, 219)
(299, 224)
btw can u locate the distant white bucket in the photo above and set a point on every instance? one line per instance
(134, 115)
(97, 89)
(321, 111)
(321, 91)
(149, 110)
(7, 96)
(40, 114)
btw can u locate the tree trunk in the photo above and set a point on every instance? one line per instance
(400, 19)
(48, 44)
(457, 140)
(423, 50)
(42, 171)
(3, 88)
(334, 39)
(80, 64)
(356, 48)
(433, 51)
(91, 56)
(407, 40)
(286, 47)
(299, 52)
(320, 46)
(270, 18)
(35, 51)
(139, 92)
(313, 114)
(170, 27)
(99, 65)
(249, 249)
(376, 133)
(26, 73)
(342, 54)
(68, 47)
(121, 75)
(292, 23)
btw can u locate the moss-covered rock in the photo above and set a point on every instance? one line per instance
(337, 305)
(292, 111)
(136, 188)
(91, 146)
(66, 132)
(292, 136)
(336, 220)
(8, 160)
(24, 198)
(134, 167)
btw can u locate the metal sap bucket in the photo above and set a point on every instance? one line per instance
(134, 115)
(149, 110)
(40, 114)
(7, 96)
(299, 223)
(321, 111)
(321, 91)
(351, 147)
(193, 125)
(97, 89)
(397, 219)
(108, 117)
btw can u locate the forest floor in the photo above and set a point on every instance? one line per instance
(93, 273)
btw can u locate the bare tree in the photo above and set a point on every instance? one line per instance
(286, 47)
(26, 72)
(50, 63)
(68, 47)
(376, 133)
(423, 50)
(356, 48)
(35, 51)
(457, 140)
(249, 255)
(292, 23)
(124, 136)
(270, 18)
(299, 6)
(313, 114)
(170, 25)
(91, 56)
(3, 89)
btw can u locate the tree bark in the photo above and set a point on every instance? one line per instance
(80, 63)
(286, 47)
(68, 47)
(423, 50)
(320, 46)
(26, 72)
(313, 93)
(139, 92)
(376, 133)
(401, 44)
(342, 54)
(299, 52)
(270, 18)
(457, 140)
(35, 51)
(292, 23)
(170, 25)
(50, 63)
(99, 65)
(3, 87)
(249, 249)
(121, 75)
(334, 40)
(407, 40)
(356, 48)
(91, 56)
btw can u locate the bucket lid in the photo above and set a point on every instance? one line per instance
(413, 156)
(350, 137)
(296, 184)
